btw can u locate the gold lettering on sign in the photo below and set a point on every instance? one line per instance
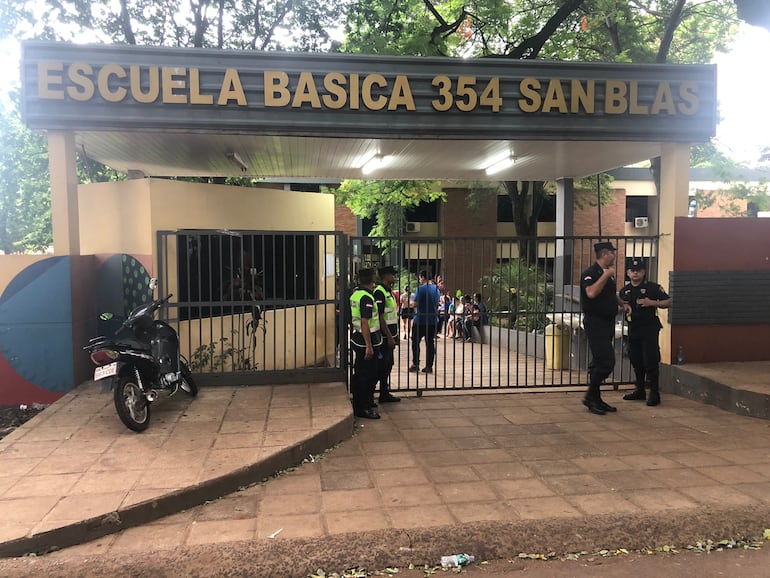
(172, 81)
(554, 97)
(50, 74)
(366, 92)
(615, 97)
(688, 92)
(153, 84)
(334, 84)
(105, 73)
(195, 89)
(306, 92)
(664, 100)
(276, 88)
(633, 100)
(80, 75)
(402, 94)
(232, 89)
(529, 90)
(582, 97)
(355, 103)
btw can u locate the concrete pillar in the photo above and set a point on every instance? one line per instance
(62, 164)
(562, 265)
(674, 202)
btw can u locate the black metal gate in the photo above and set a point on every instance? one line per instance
(530, 336)
(256, 307)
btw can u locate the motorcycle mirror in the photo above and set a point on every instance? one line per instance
(153, 284)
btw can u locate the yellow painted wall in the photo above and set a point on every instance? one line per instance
(124, 217)
(115, 218)
(12, 265)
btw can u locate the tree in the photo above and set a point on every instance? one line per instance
(386, 201)
(25, 221)
(588, 30)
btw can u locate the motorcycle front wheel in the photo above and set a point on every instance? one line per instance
(131, 404)
(187, 385)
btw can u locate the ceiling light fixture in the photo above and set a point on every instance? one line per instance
(236, 158)
(500, 164)
(375, 163)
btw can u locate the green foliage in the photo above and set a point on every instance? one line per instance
(517, 295)
(385, 200)
(221, 355)
(25, 200)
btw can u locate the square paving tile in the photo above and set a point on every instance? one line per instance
(392, 461)
(83, 507)
(466, 492)
(517, 489)
(356, 521)
(698, 459)
(680, 477)
(718, 496)
(450, 474)
(420, 517)
(399, 477)
(732, 474)
(345, 480)
(290, 526)
(600, 464)
(402, 496)
(660, 500)
(148, 538)
(649, 462)
(543, 508)
(575, 484)
(482, 511)
(350, 500)
(605, 503)
(45, 485)
(217, 531)
(553, 468)
(289, 504)
(512, 470)
(628, 480)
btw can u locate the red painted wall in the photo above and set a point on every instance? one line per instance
(736, 244)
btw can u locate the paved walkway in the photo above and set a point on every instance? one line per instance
(473, 463)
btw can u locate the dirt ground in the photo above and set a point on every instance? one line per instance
(239, 560)
(12, 416)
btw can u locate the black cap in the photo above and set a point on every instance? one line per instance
(603, 246)
(387, 270)
(637, 265)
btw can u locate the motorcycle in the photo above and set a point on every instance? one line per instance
(143, 366)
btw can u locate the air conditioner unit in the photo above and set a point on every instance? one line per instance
(412, 227)
(641, 222)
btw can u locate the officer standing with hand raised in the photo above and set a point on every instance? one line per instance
(642, 300)
(600, 304)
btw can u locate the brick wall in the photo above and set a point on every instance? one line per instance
(345, 221)
(586, 223)
(464, 262)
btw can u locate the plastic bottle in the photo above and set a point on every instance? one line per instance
(456, 560)
(680, 355)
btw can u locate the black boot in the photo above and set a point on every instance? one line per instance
(637, 395)
(654, 398)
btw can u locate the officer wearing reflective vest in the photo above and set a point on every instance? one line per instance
(366, 341)
(387, 307)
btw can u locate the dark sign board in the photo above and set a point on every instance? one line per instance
(68, 86)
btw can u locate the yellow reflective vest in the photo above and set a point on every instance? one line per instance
(391, 306)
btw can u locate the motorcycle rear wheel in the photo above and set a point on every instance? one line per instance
(131, 404)
(188, 385)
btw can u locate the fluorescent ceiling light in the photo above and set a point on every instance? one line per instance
(500, 165)
(376, 162)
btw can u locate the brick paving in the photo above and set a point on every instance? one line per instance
(455, 459)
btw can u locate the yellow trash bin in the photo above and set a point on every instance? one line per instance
(556, 347)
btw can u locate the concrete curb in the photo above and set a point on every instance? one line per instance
(677, 380)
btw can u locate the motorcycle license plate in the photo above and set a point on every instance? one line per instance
(106, 371)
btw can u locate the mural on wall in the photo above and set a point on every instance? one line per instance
(36, 325)
(36, 334)
(122, 284)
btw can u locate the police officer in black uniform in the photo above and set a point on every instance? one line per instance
(600, 304)
(366, 340)
(387, 307)
(643, 299)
